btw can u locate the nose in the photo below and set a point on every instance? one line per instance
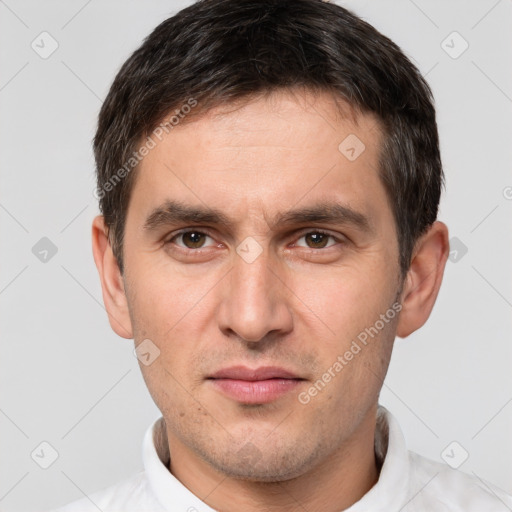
(254, 304)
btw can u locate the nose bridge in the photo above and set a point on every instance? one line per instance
(253, 280)
(254, 303)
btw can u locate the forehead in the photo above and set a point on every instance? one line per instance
(264, 157)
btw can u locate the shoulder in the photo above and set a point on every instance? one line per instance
(130, 495)
(436, 486)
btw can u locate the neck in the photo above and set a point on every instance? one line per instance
(334, 484)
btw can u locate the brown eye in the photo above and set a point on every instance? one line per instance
(317, 240)
(190, 239)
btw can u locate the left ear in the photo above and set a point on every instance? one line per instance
(423, 279)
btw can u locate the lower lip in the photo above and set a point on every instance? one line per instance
(255, 392)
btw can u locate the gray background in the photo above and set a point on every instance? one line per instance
(67, 379)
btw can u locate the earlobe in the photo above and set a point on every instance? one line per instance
(423, 279)
(114, 296)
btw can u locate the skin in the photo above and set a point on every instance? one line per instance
(297, 305)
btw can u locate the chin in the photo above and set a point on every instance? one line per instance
(273, 465)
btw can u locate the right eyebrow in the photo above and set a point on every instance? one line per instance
(175, 212)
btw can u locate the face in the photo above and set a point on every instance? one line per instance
(272, 303)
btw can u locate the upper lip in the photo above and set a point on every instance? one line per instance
(253, 374)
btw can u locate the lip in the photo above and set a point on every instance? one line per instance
(254, 374)
(255, 386)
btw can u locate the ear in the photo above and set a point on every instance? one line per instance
(112, 284)
(423, 279)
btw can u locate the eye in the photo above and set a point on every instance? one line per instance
(191, 239)
(317, 240)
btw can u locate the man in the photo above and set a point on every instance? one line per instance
(269, 178)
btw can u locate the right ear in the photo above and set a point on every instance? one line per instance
(112, 285)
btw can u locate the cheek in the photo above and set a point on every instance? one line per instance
(163, 299)
(351, 369)
(343, 301)
(172, 311)
(353, 343)
(166, 317)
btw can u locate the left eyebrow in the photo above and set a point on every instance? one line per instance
(326, 212)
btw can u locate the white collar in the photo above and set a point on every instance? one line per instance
(389, 493)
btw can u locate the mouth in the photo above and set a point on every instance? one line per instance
(255, 386)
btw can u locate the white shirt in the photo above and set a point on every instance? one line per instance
(408, 482)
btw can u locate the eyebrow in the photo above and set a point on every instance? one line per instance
(176, 212)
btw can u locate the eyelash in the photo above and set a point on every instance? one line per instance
(207, 233)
